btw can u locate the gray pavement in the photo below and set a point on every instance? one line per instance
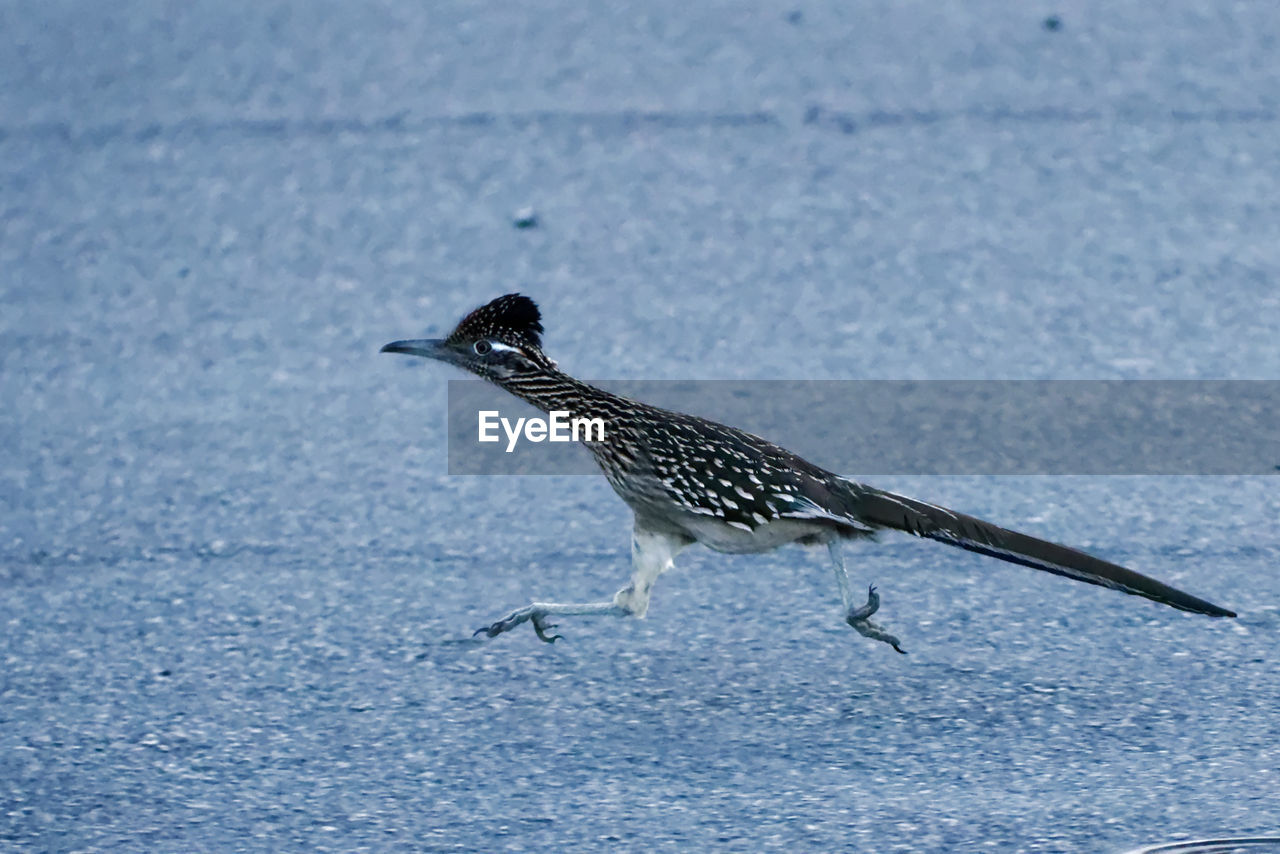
(237, 586)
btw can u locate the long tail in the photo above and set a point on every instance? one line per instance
(889, 510)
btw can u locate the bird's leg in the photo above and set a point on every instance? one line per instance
(858, 618)
(651, 555)
(538, 612)
(842, 577)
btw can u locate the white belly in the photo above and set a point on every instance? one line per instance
(723, 537)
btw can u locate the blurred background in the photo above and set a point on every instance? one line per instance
(236, 584)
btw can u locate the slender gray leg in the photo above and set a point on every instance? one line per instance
(858, 618)
(651, 555)
(842, 577)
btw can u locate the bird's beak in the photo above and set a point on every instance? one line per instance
(427, 348)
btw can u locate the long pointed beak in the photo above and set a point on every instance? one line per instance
(427, 348)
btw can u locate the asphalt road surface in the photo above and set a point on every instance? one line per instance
(237, 586)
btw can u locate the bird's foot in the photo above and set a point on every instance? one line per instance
(531, 614)
(858, 618)
(873, 605)
(541, 627)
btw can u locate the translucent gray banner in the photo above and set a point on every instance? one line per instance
(886, 427)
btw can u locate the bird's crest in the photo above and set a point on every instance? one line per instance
(512, 319)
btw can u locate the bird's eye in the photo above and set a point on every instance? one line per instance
(481, 347)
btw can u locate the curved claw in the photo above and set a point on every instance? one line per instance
(873, 605)
(541, 628)
(506, 624)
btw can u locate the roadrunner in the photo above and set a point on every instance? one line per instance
(689, 480)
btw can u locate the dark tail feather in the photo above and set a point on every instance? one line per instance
(967, 532)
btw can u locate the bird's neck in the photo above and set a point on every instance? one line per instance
(552, 390)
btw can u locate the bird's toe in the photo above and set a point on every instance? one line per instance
(540, 629)
(506, 624)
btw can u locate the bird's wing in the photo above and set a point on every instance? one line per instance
(967, 532)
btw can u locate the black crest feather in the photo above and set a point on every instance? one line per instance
(512, 318)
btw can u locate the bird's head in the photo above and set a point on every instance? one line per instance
(498, 341)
